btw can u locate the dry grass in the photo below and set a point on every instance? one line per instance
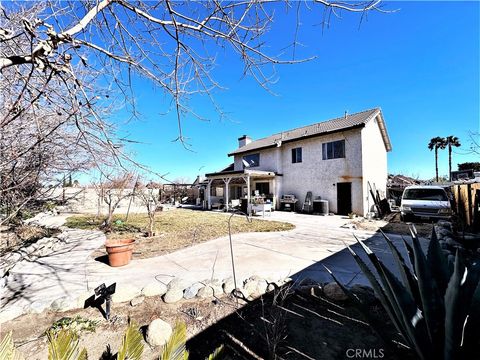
(176, 229)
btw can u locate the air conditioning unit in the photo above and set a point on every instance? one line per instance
(320, 207)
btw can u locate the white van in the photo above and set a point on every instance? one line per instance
(425, 203)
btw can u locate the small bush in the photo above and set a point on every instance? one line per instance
(75, 324)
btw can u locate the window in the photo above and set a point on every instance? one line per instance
(333, 150)
(263, 188)
(297, 155)
(251, 160)
(425, 194)
(216, 191)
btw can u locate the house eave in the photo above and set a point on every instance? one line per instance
(241, 173)
(298, 139)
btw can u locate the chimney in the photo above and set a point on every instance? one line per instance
(346, 114)
(244, 140)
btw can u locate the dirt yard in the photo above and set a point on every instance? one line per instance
(175, 229)
(298, 325)
(393, 224)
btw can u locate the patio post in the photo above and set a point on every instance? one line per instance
(209, 188)
(249, 208)
(227, 182)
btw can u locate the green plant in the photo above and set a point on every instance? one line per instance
(75, 324)
(49, 206)
(175, 348)
(435, 305)
(132, 346)
(64, 346)
(7, 349)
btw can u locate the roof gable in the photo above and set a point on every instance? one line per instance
(348, 122)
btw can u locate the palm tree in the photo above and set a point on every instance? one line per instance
(451, 141)
(435, 144)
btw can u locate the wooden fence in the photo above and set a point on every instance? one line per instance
(467, 204)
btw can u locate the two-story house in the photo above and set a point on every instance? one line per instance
(334, 159)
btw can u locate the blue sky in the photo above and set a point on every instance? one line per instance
(420, 65)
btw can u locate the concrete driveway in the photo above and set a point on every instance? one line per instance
(276, 255)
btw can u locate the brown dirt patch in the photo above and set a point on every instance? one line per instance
(393, 224)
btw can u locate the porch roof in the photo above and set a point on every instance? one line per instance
(240, 174)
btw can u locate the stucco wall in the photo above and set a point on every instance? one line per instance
(268, 160)
(375, 162)
(321, 176)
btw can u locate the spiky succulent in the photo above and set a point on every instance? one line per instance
(433, 303)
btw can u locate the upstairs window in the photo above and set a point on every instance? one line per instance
(251, 160)
(297, 155)
(333, 150)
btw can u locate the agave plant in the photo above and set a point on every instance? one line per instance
(434, 305)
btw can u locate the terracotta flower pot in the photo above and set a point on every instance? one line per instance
(119, 251)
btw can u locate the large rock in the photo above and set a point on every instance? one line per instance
(216, 285)
(154, 289)
(192, 291)
(137, 301)
(124, 293)
(334, 292)
(205, 292)
(442, 232)
(173, 296)
(364, 293)
(158, 332)
(451, 242)
(255, 286)
(37, 307)
(178, 284)
(228, 285)
(62, 304)
(444, 224)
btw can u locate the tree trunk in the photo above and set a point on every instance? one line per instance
(108, 221)
(449, 162)
(151, 225)
(436, 163)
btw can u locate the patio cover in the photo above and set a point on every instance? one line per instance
(234, 176)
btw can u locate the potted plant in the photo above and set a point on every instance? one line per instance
(119, 251)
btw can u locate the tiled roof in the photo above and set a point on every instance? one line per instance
(325, 127)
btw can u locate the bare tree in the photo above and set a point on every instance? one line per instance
(151, 199)
(66, 66)
(113, 192)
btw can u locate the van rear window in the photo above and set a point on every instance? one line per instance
(425, 194)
